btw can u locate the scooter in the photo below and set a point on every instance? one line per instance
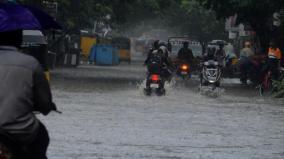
(155, 83)
(9, 148)
(12, 149)
(210, 73)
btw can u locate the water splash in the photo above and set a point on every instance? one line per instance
(211, 91)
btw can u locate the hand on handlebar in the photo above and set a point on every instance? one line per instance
(55, 108)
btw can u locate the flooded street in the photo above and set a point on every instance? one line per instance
(106, 115)
(134, 79)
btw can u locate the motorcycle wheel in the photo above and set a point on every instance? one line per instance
(160, 92)
(5, 152)
(147, 92)
(266, 86)
(217, 84)
(266, 90)
(201, 80)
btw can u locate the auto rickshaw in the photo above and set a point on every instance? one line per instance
(123, 46)
(35, 44)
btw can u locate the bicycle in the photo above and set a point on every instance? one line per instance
(266, 85)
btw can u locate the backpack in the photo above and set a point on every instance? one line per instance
(155, 61)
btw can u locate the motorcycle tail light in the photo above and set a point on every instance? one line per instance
(155, 77)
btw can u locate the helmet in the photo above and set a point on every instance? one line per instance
(247, 44)
(156, 44)
(185, 44)
(221, 45)
(162, 43)
(272, 43)
(211, 51)
(163, 49)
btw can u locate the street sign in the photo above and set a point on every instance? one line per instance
(276, 19)
(51, 7)
(232, 35)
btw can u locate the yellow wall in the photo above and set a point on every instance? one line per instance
(124, 54)
(86, 45)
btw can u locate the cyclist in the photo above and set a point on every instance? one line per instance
(274, 58)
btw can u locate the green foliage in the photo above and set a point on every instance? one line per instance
(197, 22)
(254, 12)
(184, 15)
(279, 87)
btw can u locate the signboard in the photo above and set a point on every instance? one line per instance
(232, 35)
(276, 19)
(51, 7)
(230, 24)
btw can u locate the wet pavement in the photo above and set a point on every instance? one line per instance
(106, 116)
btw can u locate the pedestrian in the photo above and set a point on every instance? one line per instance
(24, 89)
(245, 63)
(247, 51)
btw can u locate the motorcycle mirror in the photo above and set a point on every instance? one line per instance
(57, 111)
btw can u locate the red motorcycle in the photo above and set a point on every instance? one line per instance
(155, 83)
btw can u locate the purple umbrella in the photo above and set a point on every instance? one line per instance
(20, 17)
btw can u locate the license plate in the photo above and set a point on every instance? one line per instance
(154, 85)
(184, 73)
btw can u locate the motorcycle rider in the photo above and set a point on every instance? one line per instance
(220, 54)
(274, 58)
(24, 89)
(164, 47)
(210, 54)
(157, 62)
(245, 62)
(185, 53)
(155, 46)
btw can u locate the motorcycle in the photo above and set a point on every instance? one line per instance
(210, 73)
(253, 70)
(155, 82)
(12, 149)
(281, 73)
(184, 71)
(9, 148)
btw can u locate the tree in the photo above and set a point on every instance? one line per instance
(129, 14)
(198, 23)
(253, 12)
(77, 14)
(184, 15)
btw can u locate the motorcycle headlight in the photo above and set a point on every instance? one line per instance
(206, 63)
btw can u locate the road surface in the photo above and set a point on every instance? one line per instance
(106, 116)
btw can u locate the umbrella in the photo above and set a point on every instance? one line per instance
(21, 17)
